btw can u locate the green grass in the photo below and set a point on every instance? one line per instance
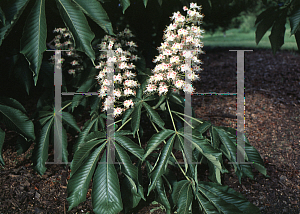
(235, 38)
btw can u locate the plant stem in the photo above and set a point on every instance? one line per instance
(139, 138)
(173, 156)
(185, 121)
(65, 106)
(171, 116)
(187, 116)
(124, 124)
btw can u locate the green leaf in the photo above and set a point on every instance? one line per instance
(95, 11)
(85, 87)
(22, 145)
(175, 98)
(212, 154)
(64, 145)
(83, 152)
(278, 30)
(297, 37)
(12, 13)
(78, 25)
(205, 204)
(129, 145)
(41, 148)
(160, 193)
(106, 194)
(226, 199)
(178, 187)
(214, 173)
(161, 99)
(136, 117)
(8, 101)
(2, 136)
(230, 146)
(155, 140)
(127, 114)
(69, 119)
(125, 4)
(265, 14)
(2, 17)
(185, 198)
(85, 131)
(79, 183)
(255, 158)
(130, 170)
(161, 164)
(129, 197)
(295, 20)
(154, 116)
(33, 41)
(23, 73)
(17, 121)
(160, 2)
(266, 23)
(145, 3)
(43, 120)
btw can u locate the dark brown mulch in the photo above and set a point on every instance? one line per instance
(272, 100)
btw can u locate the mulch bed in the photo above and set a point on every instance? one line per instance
(272, 122)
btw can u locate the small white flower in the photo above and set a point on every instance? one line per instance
(162, 89)
(171, 75)
(117, 111)
(71, 71)
(117, 93)
(188, 88)
(118, 78)
(150, 88)
(128, 103)
(128, 91)
(179, 84)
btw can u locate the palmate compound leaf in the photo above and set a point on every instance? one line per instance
(155, 140)
(2, 17)
(160, 193)
(129, 170)
(182, 196)
(78, 26)
(295, 21)
(85, 148)
(161, 164)
(80, 180)
(84, 133)
(33, 41)
(16, 119)
(106, 194)
(265, 21)
(154, 115)
(127, 167)
(12, 12)
(214, 198)
(12, 103)
(41, 147)
(278, 30)
(251, 153)
(125, 4)
(206, 149)
(95, 11)
(69, 119)
(129, 145)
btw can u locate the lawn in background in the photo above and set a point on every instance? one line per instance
(236, 38)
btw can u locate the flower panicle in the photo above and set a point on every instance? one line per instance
(182, 42)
